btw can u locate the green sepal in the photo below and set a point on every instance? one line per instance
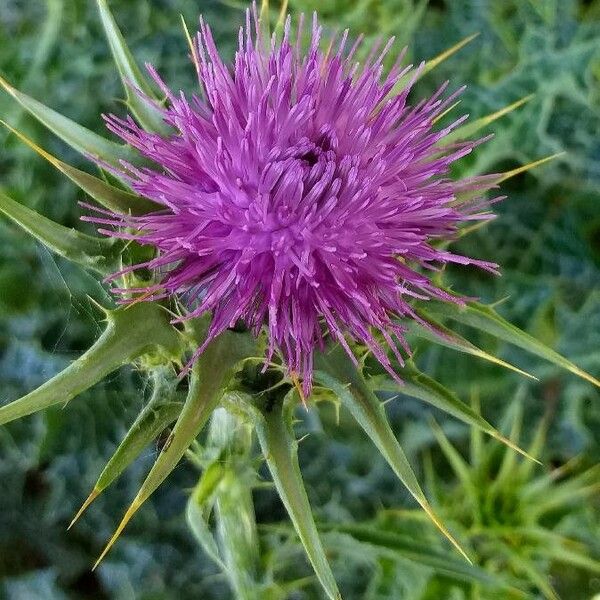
(109, 196)
(273, 425)
(130, 333)
(97, 254)
(485, 318)
(149, 117)
(210, 376)
(335, 370)
(78, 137)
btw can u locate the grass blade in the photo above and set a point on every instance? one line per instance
(396, 545)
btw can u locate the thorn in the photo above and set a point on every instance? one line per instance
(97, 304)
(503, 111)
(9, 88)
(95, 493)
(513, 446)
(527, 167)
(429, 511)
(296, 382)
(440, 58)
(130, 512)
(139, 299)
(444, 113)
(190, 44)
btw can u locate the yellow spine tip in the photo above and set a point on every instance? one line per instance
(95, 493)
(128, 515)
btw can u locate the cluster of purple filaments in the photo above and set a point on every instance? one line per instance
(299, 193)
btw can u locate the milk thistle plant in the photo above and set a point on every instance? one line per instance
(266, 238)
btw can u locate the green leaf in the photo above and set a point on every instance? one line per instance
(149, 117)
(78, 137)
(113, 198)
(488, 320)
(97, 254)
(280, 448)
(399, 546)
(130, 333)
(155, 417)
(210, 376)
(336, 371)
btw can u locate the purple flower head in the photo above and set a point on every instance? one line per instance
(300, 194)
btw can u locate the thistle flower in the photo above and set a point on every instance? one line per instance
(297, 192)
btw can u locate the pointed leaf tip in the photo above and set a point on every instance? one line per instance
(94, 494)
(94, 253)
(532, 165)
(440, 58)
(115, 199)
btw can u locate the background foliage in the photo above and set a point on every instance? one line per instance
(547, 239)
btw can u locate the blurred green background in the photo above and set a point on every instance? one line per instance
(546, 238)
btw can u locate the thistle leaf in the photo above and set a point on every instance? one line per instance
(451, 339)
(78, 137)
(280, 448)
(486, 319)
(156, 416)
(210, 376)
(336, 371)
(105, 194)
(128, 335)
(97, 254)
(149, 117)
